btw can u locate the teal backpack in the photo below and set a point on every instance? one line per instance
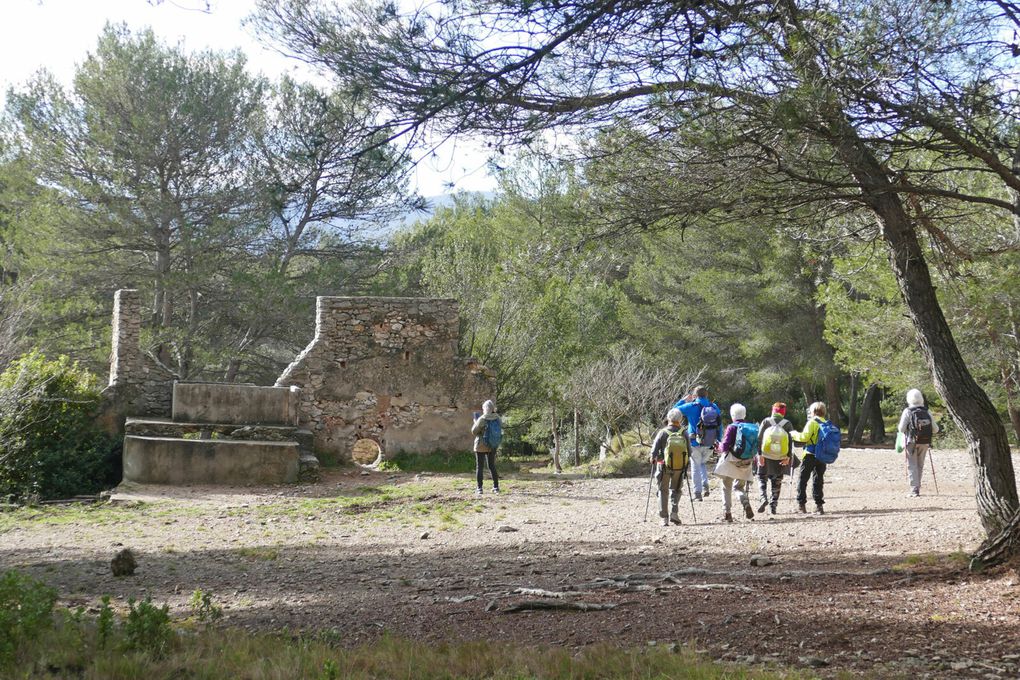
(746, 443)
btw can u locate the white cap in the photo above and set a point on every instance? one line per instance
(915, 398)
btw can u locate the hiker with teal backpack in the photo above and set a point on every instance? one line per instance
(671, 451)
(822, 440)
(774, 459)
(488, 432)
(704, 426)
(739, 446)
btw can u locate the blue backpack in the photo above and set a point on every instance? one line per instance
(746, 443)
(827, 447)
(493, 433)
(708, 422)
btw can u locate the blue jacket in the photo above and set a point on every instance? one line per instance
(692, 412)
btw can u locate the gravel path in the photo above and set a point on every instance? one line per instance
(877, 586)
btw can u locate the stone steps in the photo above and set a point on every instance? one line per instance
(178, 461)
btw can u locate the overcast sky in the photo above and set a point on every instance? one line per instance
(56, 34)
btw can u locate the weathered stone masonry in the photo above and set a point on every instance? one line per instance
(139, 385)
(387, 369)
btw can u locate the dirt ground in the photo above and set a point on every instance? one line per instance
(877, 586)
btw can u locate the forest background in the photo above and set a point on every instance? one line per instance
(595, 281)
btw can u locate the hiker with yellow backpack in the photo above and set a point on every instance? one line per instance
(774, 459)
(671, 451)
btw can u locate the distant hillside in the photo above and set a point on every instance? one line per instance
(434, 204)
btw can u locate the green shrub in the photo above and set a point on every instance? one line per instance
(26, 609)
(147, 628)
(204, 608)
(50, 443)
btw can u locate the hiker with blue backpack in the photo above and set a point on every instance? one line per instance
(704, 425)
(822, 440)
(488, 432)
(671, 450)
(739, 446)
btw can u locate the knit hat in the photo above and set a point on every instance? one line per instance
(779, 408)
(915, 398)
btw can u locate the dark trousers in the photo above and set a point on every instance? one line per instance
(810, 466)
(481, 459)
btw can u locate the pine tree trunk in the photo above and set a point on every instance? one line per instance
(875, 418)
(577, 439)
(1009, 384)
(556, 441)
(834, 403)
(853, 405)
(970, 407)
(857, 435)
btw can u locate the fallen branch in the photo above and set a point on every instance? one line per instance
(533, 605)
(538, 592)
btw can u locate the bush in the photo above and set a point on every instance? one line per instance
(148, 629)
(50, 444)
(26, 609)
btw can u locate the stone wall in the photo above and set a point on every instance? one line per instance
(387, 369)
(139, 385)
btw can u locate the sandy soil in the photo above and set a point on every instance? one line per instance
(876, 586)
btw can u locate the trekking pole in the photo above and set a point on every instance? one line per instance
(691, 497)
(933, 477)
(648, 500)
(793, 489)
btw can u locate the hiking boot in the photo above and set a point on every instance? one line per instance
(727, 517)
(495, 489)
(478, 491)
(706, 492)
(914, 493)
(665, 521)
(697, 496)
(819, 510)
(772, 509)
(674, 518)
(748, 512)
(802, 508)
(761, 507)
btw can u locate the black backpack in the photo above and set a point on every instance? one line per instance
(919, 428)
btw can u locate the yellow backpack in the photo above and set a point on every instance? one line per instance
(678, 450)
(776, 441)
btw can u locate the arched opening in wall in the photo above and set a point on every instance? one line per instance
(366, 452)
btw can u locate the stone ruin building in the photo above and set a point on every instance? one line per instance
(381, 376)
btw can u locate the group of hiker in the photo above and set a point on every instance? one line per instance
(748, 451)
(763, 452)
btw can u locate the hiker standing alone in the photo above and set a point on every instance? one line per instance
(704, 425)
(670, 452)
(918, 427)
(774, 445)
(488, 432)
